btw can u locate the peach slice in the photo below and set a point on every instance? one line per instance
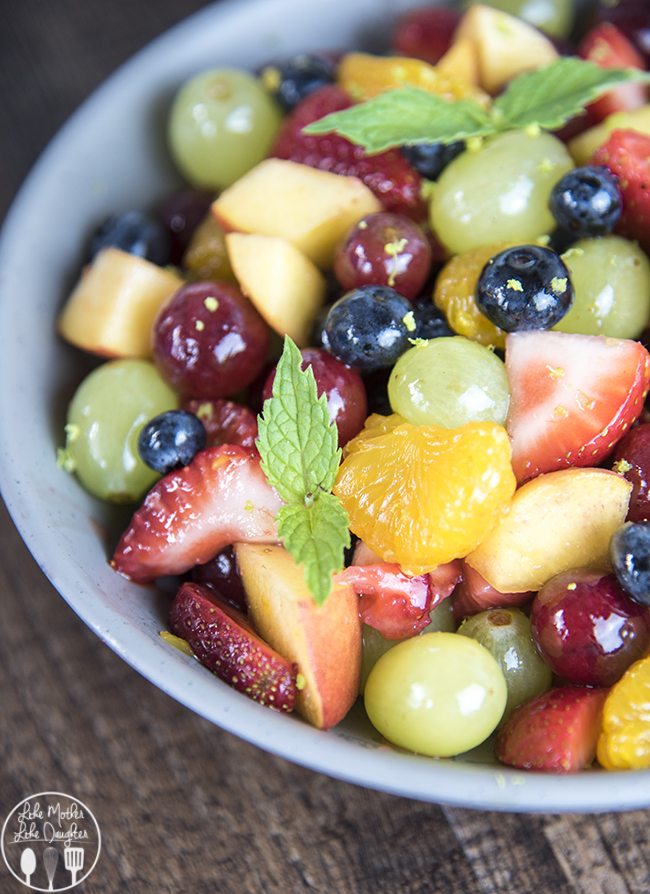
(555, 522)
(325, 641)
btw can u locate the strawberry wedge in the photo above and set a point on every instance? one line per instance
(572, 397)
(555, 732)
(220, 498)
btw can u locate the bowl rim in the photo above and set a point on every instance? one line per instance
(336, 753)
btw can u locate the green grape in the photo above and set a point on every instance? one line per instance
(222, 123)
(555, 17)
(437, 694)
(611, 281)
(374, 645)
(499, 192)
(505, 632)
(449, 382)
(104, 421)
(442, 618)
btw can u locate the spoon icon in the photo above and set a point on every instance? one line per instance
(27, 863)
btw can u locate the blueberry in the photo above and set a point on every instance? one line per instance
(430, 322)
(526, 287)
(133, 232)
(586, 201)
(292, 81)
(430, 159)
(368, 327)
(630, 554)
(171, 440)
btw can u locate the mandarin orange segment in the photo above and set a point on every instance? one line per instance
(422, 495)
(455, 295)
(374, 426)
(363, 76)
(624, 742)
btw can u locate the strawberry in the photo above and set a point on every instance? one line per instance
(396, 605)
(608, 47)
(224, 641)
(555, 732)
(225, 421)
(395, 183)
(426, 33)
(474, 594)
(627, 155)
(572, 397)
(220, 498)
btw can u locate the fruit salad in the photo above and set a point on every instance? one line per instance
(374, 382)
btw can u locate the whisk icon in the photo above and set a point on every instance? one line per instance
(50, 861)
(73, 859)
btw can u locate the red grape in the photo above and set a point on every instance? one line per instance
(426, 33)
(181, 213)
(209, 341)
(384, 249)
(632, 460)
(346, 393)
(221, 574)
(587, 629)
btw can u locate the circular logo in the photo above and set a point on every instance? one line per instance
(50, 842)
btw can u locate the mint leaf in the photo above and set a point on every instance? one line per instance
(407, 115)
(297, 442)
(300, 458)
(316, 535)
(549, 96)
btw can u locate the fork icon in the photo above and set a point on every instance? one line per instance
(73, 858)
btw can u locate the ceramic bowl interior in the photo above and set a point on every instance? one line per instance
(109, 157)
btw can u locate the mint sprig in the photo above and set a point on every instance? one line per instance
(546, 98)
(300, 458)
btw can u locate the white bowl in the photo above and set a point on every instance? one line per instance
(111, 156)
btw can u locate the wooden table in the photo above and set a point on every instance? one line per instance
(183, 806)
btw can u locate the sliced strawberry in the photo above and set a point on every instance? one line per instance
(426, 33)
(474, 594)
(395, 183)
(608, 47)
(555, 732)
(572, 397)
(393, 603)
(224, 641)
(225, 421)
(221, 498)
(627, 155)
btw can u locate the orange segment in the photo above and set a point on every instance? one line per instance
(624, 741)
(422, 495)
(455, 295)
(363, 76)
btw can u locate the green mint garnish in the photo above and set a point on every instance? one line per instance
(545, 98)
(300, 458)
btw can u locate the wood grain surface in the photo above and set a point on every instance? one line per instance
(184, 807)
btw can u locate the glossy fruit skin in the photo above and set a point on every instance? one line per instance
(222, 575)
(437, 694)
(395, 183)
(171, 440)
(587, 629)
(384, 249)
(587, 201)
(209, 341)
(430, 159)
(526, 287)
(430, 322)
(180, 213)
(630, 554)
(343, 387)
(632, 460)
(221, 124)
(105, 417)
(291, 81)
(624, 742)
(134, 232)
(611, 299)
(366, 328)
(426, 33)
(505, 633)
(225, 421)
(449, 382)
